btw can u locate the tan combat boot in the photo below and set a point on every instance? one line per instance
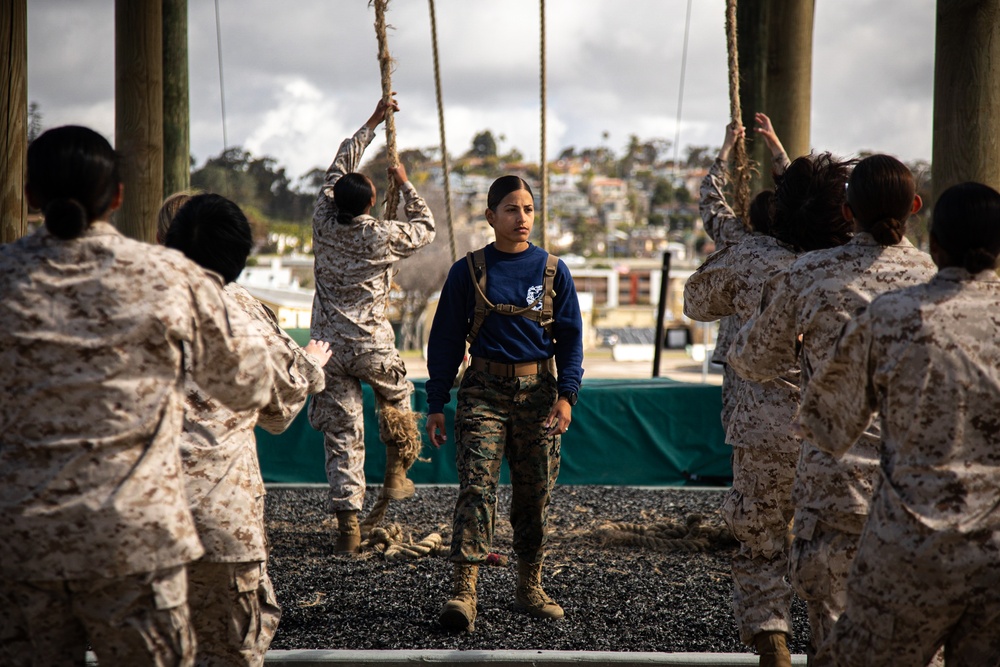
(459, 613)
(348, 532)
(396, 486)
(773, 649)
(530, 597)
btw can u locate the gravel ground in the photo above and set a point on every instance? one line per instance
(616, 598)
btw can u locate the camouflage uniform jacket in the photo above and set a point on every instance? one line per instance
(221, 473)
(723, 227)
(353, 263)
(816, 297)
(927, 358)
(729, 284)
(91, 336)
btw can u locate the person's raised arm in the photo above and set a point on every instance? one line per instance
(766, 131)
(407, 237)
(721, 223)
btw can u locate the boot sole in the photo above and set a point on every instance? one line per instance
(453, 619)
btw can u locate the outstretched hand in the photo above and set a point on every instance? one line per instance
(380, 110)
(767, 133)
(319, 349)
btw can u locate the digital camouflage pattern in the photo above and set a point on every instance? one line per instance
(816, 297)
(338, 412)
(91, 336)
(729, 284)
(496, 417)
(234, 611)
(766, 448)
(222, 475)
(757, 510)
(353, 268)
(138, 619)
(354, 262)
(757, 416)
(927, 360)
(725, 229)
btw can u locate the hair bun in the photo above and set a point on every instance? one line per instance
(65, 218)
(978, 259)
(887, 231)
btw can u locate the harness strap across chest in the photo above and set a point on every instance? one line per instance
(477, 270)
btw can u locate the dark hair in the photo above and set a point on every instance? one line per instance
(880, 193)
(72, 177)
(502, 187)
(213, 232)
(967, 225)
(760, 210)
(807, 203)
(353, 194)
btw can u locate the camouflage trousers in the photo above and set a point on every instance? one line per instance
(135, 620)
(338, 412)
(497, 417)
(234, 612)
(913, 589)
(757, 511)
(821, 557)
(730, 394)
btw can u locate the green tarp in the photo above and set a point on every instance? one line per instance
(653, 432)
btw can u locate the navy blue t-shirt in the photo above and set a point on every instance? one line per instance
(515, 279)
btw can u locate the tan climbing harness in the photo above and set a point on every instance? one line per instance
(544, 315)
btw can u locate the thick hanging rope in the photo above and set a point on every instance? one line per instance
(385, 63)
(691, 535)
(545, 166)
(741, 162)
(444, 148)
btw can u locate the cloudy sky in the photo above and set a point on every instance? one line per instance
(302, 75)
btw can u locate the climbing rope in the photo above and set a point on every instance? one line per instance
(741, 162)
(385, 63)
(444, 148)
(544, 162)
(691, 535)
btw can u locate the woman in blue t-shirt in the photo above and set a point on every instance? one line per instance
(510, 402)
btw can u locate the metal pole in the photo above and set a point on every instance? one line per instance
(661, 308)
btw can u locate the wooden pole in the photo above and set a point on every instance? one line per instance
(966, 94)
(789, 74)
(13, 118)
(139, 113)
(752, 26)
(176, 107)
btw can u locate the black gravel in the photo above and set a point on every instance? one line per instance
(616, 598)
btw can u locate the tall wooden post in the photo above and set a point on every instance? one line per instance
(789, 73)
(139, 113)
(775, 44)
(176, 108)
(967, 94)
(13, 118)
(752, 27)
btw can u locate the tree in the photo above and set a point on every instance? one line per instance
(663, 193)
(483, 145)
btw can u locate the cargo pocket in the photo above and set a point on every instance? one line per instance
(247, 581)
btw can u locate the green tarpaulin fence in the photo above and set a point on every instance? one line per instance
(655, 432)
